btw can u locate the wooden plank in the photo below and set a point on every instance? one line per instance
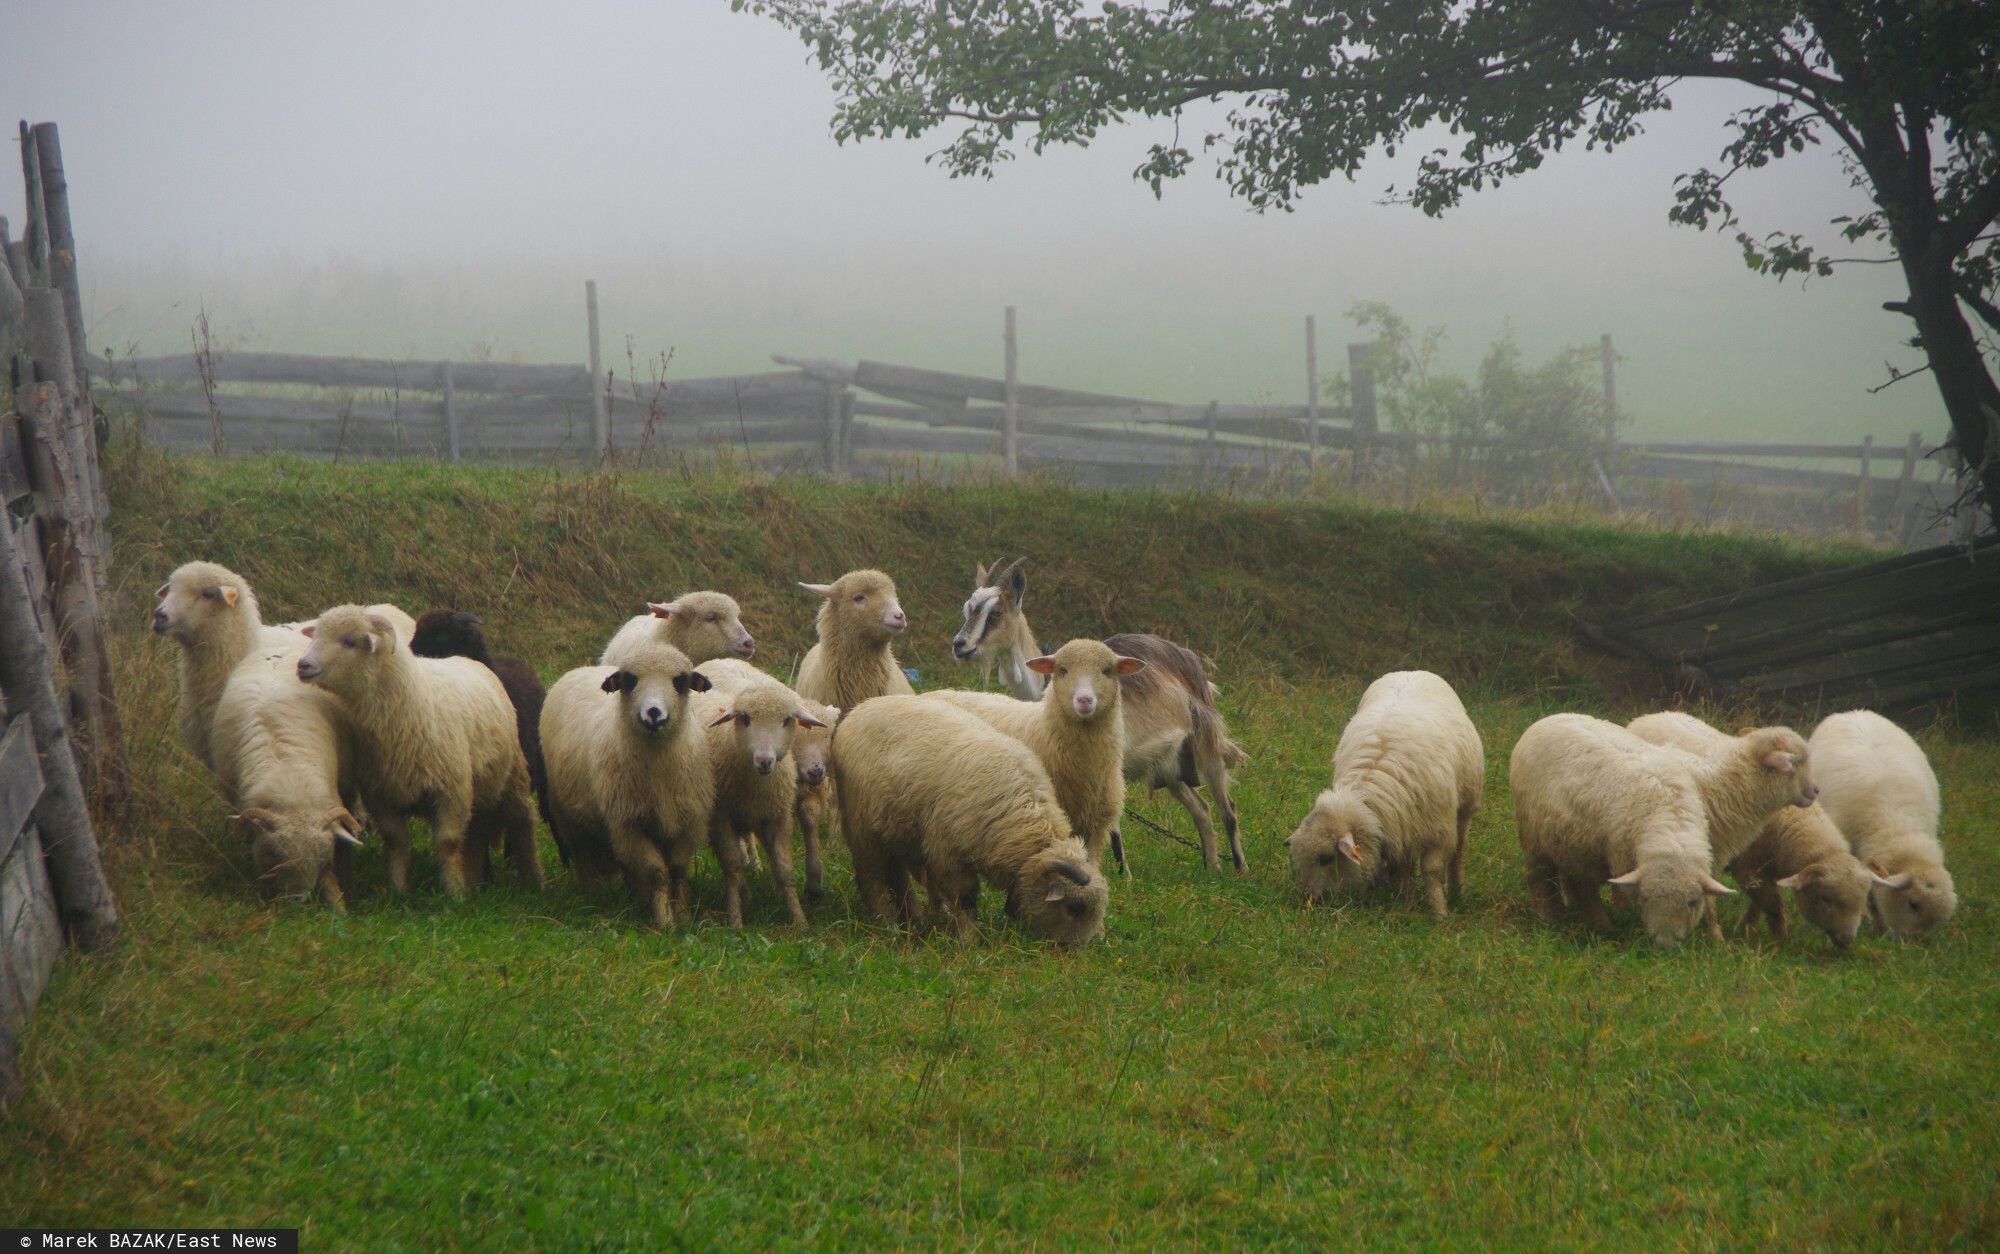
(450, 411)
(14, 481)
(1726, 448)
(20, 781)
(600, 418)
(293, 409)
(31, 937)
(875, 376)
(1312, 389)
(1852, 638)
(1653, 466)
(351, 372)
(1971, 643)
(62, 242)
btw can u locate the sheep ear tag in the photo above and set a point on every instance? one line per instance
(1042, 665)
(726, 716)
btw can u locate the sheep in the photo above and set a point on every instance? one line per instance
(212, 614)
(284, 755)
(750, 733)
(702, 625)
(1077, 732)
(926, 787)
(433, 736)
(1408, 773)
(455, 633)
(1798, 848)
(810, 742)
(630, 784)
(852, 661)
(1880, 791)
(1594, 804)
(1174, 736)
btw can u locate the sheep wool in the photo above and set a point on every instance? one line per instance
(212, 614)
(1879, 789)
(750, 734)
(813, 790)
(927, 788)
(1408, 772)
(433, 736)
(852, 661)
(702, 625)
(1593, 803)
(456, 633)
(630, 785)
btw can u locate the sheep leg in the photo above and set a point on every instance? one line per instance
(871, 879)
(904, 891)
(777, 842)
(805, 818)
(1709, 922)
(1198, 811)
(448, 829)
(1589, 902)
(727, 845)
(1216, 777)
(1436, 872)
(395, 827)
(1545, 893)
(1764, 901)
(517, 826)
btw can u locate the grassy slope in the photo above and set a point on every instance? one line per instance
(1227, 1066)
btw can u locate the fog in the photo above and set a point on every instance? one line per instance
(438, 180)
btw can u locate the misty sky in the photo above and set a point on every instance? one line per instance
(437, 180)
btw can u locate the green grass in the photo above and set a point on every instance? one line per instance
(1227, 1068)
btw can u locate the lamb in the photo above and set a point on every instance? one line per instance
(630, 785)
(433, 736)
(1798, 848)
(810, 742)
(702, 625)
(1882, 794)
(455, 633)
(1077, 732)
(750, 733)
(926, 787)
(1594, 803)
(212, 614)
(1408, 773)
(852, 661)
(1174, 736)
(284, 755)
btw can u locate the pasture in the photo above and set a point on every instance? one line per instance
(1227, 1067)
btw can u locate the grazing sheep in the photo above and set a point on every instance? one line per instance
(810, 741)
(212, 614)
(1880, 791)
(630, 786)
(1174, 736)
(1407, 777)
(750, 733)
(433, 736)
(1594, 804)
(284, 756)
(1077, 732)
(852, 661)
(455, 633)
(1797, 848)
(927, 788)
(703, 625)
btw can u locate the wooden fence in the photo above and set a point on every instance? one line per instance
(62, 764)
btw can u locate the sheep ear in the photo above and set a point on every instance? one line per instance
(228, 595)
(1042, 665)
(824, 589)
(663, 609)
(1777, 760)
(1716, 888)
(693, 681)
(807, 720)
(165, 588)
(1055, 893)
(724, 717)
(1130, 666)
(1746, 731)
(619, 681)
(1800, 878)
(256, 820)
(1628, 879)
(1900, 880)
(380, 626)
(1348, 850)
(308, 630)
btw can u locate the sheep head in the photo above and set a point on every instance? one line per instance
(704, 625)
(654, 684)
(1832, 894)
(449, 633)
(860, 606)
(1780, 754)
(765, 718)
(293, 847)
(1060, 896)
(196, 595)
(1671, 898)
(1338, 843)
(813, 739)
(1083, 678)
(1909, 905)
(348, 644)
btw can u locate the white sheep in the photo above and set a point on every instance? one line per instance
(703, 625)
(212, 614)
(750, 732)
(1595, 804)
(1077, 732)
(928, 789)
(630, 785)
(852, 661)
(1408, 773)
(1798, 848)
(284, 755)
(433, 736)
(811, 793)
(1879, 789)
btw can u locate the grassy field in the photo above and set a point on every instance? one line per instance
(1227, 1068)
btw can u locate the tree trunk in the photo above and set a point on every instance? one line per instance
(1970, 395)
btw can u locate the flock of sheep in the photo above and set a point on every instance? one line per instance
(674, 741)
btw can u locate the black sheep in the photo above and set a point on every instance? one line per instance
(455, 633)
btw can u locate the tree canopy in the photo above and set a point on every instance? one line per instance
(1908, 93)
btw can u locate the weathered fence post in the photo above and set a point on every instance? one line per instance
(35, 235)
(1010, 428)
(1312, 393)
(450, 411)
(1862, 494)
(1610, 358)
(829, 409)
(1208, 445)
(600, 419)
(846, 432)
(62, 245)
(70, 846)
(13, 307)
(1904, 522)
(1361, 389)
